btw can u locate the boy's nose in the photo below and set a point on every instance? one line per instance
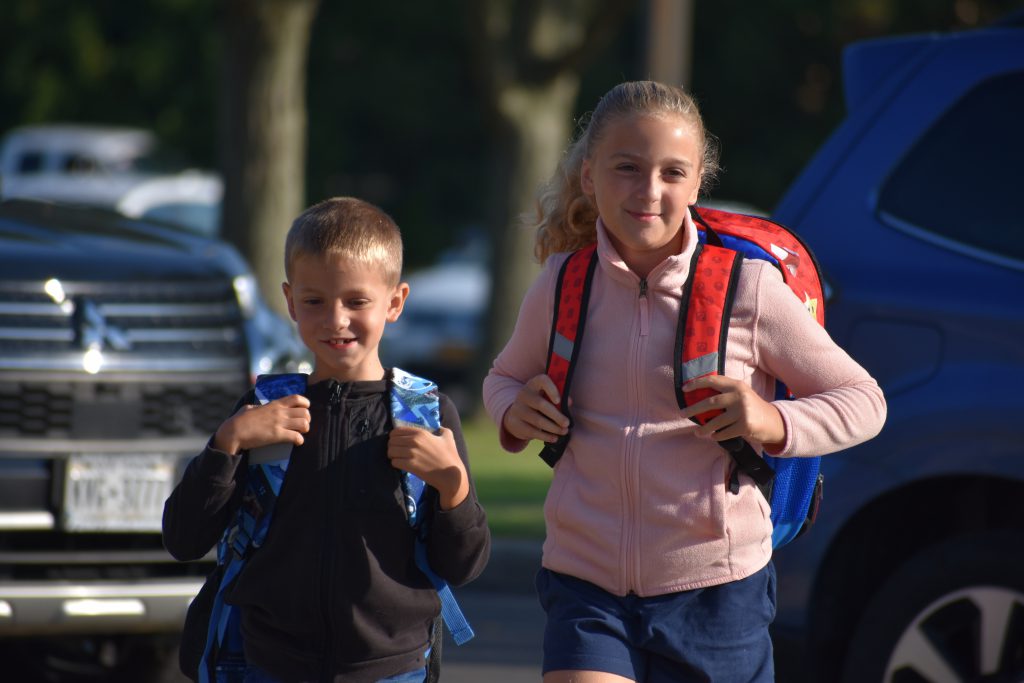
(339, 318)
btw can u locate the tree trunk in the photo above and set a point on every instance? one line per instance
(264, 130)
(537, 125)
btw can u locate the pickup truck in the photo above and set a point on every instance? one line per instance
(123, 345)
(914, 571)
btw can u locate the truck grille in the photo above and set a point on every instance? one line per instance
(169, 359)
(150, 326)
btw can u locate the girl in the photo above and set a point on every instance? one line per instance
(652, 570)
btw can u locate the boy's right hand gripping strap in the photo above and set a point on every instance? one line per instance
(571, 296)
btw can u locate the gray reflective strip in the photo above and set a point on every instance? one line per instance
(698, 367)
(562, 347)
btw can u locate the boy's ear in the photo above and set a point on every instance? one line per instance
(397, 303)
(287, 289)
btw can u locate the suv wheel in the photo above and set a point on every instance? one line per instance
(952, 614)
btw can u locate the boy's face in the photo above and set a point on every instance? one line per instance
(341, 306)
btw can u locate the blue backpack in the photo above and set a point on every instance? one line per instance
(414, 403)
(792, 486)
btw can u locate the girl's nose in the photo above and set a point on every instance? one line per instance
(649, 188)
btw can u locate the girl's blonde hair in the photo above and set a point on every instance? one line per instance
(566, 218)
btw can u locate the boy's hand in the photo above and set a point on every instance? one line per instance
(745, 414)
(433, 458)
(284, 420)
(535, 414)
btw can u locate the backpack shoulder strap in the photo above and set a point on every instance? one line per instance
(415, 403)
(701, 336)
(572, 295)
(266, 471)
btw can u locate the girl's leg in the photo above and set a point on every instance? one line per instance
(717, 634)
(587, 637)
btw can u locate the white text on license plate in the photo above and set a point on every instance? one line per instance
(123, 492)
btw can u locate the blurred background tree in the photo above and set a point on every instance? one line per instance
(447, 113)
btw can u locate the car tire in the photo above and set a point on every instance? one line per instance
(954, 612)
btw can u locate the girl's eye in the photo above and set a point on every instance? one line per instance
(675, 173)
(626, 167)
(311, 301)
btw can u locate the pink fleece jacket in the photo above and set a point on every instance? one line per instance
(638, 502)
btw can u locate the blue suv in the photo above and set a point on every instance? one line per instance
(914, 571)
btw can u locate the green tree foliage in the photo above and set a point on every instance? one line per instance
(394, 116)
(151, 63)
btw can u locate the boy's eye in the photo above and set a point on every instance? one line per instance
(311, 301)
(359, 303)
(626, 167)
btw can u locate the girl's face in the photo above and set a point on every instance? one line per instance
(642, 175)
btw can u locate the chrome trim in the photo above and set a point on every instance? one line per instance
(60, 448)
(149, 310)
(36, 609)
(186, 588)
(224, 376)
(26, 521)
(50, 334)
(112, 363)
(224, 334)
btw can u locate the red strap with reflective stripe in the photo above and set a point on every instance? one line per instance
(704, 321)
(569, 307)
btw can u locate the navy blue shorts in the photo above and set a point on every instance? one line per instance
(715, 634)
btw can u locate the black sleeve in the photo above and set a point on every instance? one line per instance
(459, 540)
(200, 506)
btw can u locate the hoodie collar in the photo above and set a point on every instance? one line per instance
(670, 274)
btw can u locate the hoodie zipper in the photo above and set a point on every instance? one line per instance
(630, 465)
(334, 403)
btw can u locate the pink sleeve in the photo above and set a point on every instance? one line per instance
(838, 403)
(525, 353)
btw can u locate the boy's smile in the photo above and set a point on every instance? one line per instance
(341, 305)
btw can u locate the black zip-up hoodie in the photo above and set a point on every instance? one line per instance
(334, 593)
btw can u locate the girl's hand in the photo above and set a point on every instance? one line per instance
(745, 415)
(433, 458)
(535, 414)
(284, 420)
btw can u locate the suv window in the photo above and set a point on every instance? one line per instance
(30, 162)
(962, 180)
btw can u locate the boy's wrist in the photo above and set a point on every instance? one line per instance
(454, 490)
(224, 440)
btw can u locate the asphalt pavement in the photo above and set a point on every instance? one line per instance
(502, 608)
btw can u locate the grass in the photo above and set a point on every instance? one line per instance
(511, 486)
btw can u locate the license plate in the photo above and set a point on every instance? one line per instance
(116, 492)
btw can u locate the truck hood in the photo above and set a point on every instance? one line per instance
(40, 240)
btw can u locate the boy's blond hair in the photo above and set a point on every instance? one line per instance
(349, 227)
(566, 219)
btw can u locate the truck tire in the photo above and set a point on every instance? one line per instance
(952, 613)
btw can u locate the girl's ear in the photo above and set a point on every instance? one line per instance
(696, 191)
(586, 181)
(397, 303)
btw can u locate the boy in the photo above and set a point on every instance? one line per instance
(334, 593)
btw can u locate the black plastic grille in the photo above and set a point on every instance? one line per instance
(110, 409)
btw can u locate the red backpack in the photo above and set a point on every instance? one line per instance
(793, 486)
